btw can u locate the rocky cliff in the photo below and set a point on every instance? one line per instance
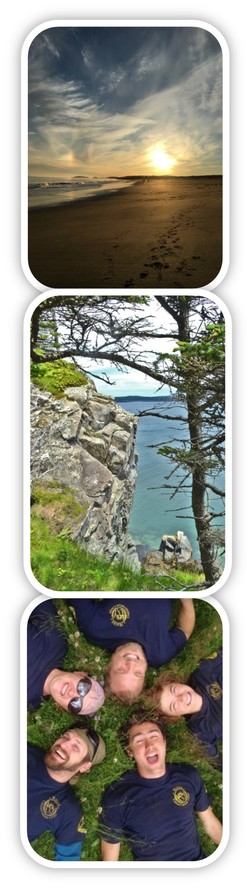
(85, 444)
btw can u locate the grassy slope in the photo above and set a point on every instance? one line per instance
(48, 722)
(60, 565)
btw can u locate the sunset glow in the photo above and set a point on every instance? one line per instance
(124, 101)
(160, 160)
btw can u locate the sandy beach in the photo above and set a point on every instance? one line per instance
(163, 233)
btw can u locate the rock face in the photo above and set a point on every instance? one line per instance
(155, 564)
(86, 443)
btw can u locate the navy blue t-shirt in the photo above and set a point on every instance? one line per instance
(207, 724)
(114, 622)
(51, 805)
(157, 815)
(46, 648)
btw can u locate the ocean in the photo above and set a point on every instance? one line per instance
(156, 510)
(46, 192)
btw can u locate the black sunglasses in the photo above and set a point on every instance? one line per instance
(94, 739)
(83, 688)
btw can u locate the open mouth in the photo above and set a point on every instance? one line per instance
(59, 755)
(152, 758)
(131, 657)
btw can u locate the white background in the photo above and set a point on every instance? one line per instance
(17, 21)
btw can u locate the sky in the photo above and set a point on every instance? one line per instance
(116, 101)
(122, 384)
(122, 381)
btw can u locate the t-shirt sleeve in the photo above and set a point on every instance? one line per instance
(202, 799)
(71, 823)
(84, 611)
(111, 820)
(177, 641)
(68, 852)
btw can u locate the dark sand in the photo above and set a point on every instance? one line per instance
(163, 233)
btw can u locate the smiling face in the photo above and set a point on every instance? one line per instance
(127, 670)
(62, 687)
(179, 699)
(148, 747)
(67, 756)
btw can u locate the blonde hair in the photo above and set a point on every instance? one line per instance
(126, 696)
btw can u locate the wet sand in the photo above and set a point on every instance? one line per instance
(163, 233)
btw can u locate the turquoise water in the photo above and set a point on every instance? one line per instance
(155, 509)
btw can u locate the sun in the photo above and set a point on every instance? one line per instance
(160, 160)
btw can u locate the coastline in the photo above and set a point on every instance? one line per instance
(72, 201)
(165, 233)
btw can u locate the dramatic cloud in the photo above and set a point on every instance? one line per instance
(118, 101)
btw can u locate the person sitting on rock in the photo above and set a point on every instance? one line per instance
(199, 701)
(178, 545)
(51, 803)
(138, 633)
(46, 648)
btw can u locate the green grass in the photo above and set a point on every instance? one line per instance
(59, 564)
(56, 376)
(48, 722)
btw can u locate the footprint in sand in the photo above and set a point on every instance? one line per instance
(128, 283)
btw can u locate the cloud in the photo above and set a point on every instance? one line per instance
(53, 49)
(153, 101)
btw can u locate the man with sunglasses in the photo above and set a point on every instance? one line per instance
(139, 634)
(46, 648)
(51, 803)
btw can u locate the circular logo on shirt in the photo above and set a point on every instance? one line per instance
(214, 690)
(81, 825)
(180, 796)
(119, 614)
(49, 808)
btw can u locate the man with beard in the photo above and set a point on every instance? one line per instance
(51, 803)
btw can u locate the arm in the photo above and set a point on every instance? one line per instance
(109, 851)
(211, 824)
(186, 616)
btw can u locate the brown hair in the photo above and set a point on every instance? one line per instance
(138, 718)
(152, 697)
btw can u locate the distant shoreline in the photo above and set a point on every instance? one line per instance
(144, 398)
(150, 176)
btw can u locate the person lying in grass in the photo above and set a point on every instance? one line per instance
(154, 805)
(199, 701)
(51, 803)
(46, 649)
(139, 634)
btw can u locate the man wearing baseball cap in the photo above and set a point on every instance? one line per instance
(75, 691)
(51, 803)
